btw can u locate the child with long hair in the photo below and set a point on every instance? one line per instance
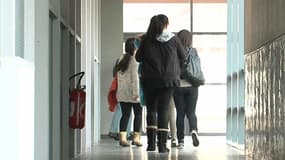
(128, 93)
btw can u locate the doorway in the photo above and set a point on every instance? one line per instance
(210, 39)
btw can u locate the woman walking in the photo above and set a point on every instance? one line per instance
(185, 98)
(161, 54)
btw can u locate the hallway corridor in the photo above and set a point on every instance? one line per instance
(241, 44)
(211, 148)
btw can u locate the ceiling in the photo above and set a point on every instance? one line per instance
(174, 1)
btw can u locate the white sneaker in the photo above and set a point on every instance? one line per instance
(180, 145)
(195, 139)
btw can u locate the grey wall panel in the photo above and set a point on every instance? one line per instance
(264, 21)
(64, 10)
(42, 80)
(112, 48)
(264, 79)
(265, 106)
(72, 14)
(54, 6)
(55, 83)
(65, 56)
(78, 18)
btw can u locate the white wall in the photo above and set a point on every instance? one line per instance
(25, 83)
(7, 27)
(112, 48)
(17, 108)
(90, 50)
(38, 105)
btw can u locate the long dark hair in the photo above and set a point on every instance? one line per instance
(156, 26)
(130, 51)
(185, 37)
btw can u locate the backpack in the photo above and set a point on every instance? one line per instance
(191, 70)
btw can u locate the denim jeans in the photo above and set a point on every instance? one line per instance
(185, 99)
(116, 121)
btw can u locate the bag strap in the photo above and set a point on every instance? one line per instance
(188, 55)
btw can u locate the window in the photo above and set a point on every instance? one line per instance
(137, 15)
(209, 17)
(210, 39)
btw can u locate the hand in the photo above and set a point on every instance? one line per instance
(136, 98)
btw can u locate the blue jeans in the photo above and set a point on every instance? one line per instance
(116, 121)
(185, 99)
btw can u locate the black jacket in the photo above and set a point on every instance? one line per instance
(161, 62)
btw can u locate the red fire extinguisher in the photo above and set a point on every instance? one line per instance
(77, 101)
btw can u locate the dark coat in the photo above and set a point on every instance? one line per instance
(161, 62)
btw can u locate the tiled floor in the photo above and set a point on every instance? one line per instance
(211, 148)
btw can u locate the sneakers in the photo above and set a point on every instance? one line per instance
(195, 139)
(180, 145)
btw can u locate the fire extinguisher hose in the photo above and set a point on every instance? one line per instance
(81, 74)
